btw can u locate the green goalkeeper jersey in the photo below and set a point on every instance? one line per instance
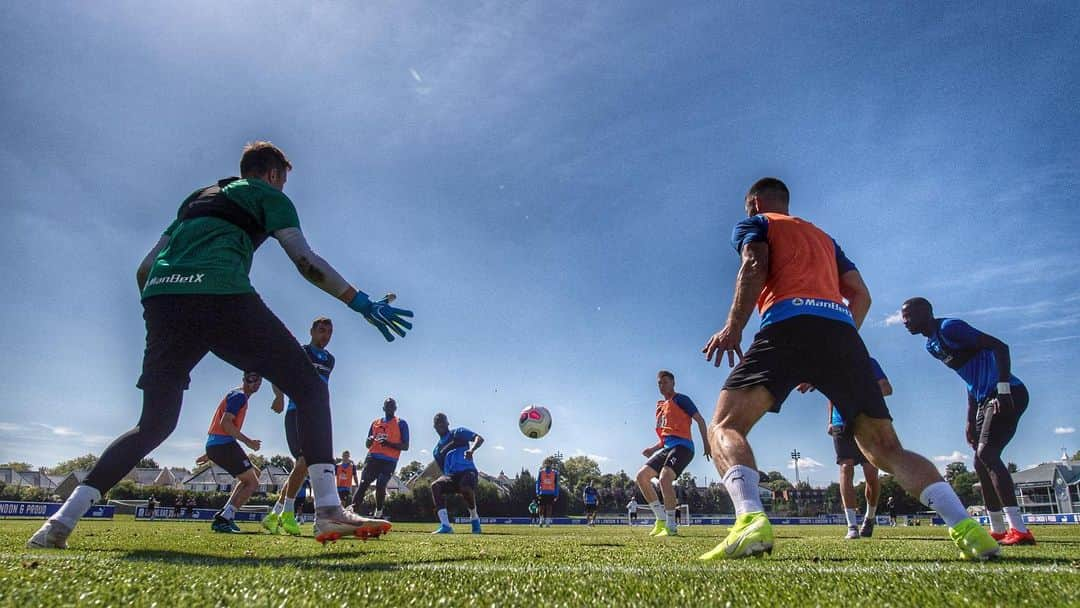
(210, 255)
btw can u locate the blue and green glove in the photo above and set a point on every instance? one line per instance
(384, 317)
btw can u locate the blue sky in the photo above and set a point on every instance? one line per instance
(551, 188)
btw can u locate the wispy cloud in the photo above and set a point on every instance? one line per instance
(806, 464)
(1064, 430)
(532, 450)
(894, 319)
(1059, 339)
(956, 456)
(499, 447)
(415, 75)
(594, 457)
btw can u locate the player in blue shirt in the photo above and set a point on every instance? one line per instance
(282, 516)
(453, 456)
(848, 455)
(996, 400)
(591, 498)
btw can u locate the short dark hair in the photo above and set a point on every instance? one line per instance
(441, 417)
(260, 157)
(770, 188)
(665, 374)
(321, 321)
(389, 400)
(919, 301)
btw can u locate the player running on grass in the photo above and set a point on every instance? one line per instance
(848, 456)
(346, 477)
(453, 456)
(282, 516)
(197, 298)
(800, 279)
(223, 449)
(591, 498)
(671, 453)
(387, 438)
(996, 400)
(547, 490)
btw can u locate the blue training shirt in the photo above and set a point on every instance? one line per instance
(234, 402)
(323, 362)
(589, 495)
(449, 452)
(955, 343)
(879, 375)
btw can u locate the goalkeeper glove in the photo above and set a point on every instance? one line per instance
(384, 317)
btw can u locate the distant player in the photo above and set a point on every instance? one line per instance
(996, 401)
(547, 491)
(151, 506)
(223, 449)
(346, 477)
(453, 456)
(848, 456)
(282, 517)
(534, 511)
(631, 511)
(197, 298)
(387, 438)
(671, 453)
(812, 300)
(591, 498)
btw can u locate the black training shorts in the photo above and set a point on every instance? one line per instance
(675, 457)
(377, 470)
(997, 430)
(463, 480)
(229, 456)
(292, 434)
(828, 354)
(547, 500)
(846, 449)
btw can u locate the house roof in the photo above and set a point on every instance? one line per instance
(1043, 474)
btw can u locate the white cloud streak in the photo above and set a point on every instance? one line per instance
(1064, 430)
(805, 464)
(532, 450)
(956, 456)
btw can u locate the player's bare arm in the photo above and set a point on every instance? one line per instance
(278, 404)
(1003, 402)
(473, 446)
(707, 450)
(969, 430)
(228, 424)
(748, 285)
(652, 449)
(885, 386)
(857, 295)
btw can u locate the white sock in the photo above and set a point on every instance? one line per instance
(279, 508)
(997, 522)
(229, 511)
(742, 485)
(473, 515)
(444, 517)
(1015, 519)
(851, 517)
(871, 511)
(378, 513)
(289, 507)
(940, 497)
(77, 505)
(671, 523)
(657, 509)
(324, 485)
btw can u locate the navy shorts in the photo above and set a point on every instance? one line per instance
(377, 470)
(292, 434)
(463, 480)
(229, 456)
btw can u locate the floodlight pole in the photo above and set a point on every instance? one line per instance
(795, 455)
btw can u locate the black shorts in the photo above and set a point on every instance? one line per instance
(546, 500)
(377, 470)
(997, 430)
(633, 516)
(590, 509)
(229, 456)
(676, 458)
(846, 449)
(242, 331)
(292, 434)
(464, 480)
(828, 354)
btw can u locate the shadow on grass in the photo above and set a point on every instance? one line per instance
(333, 560)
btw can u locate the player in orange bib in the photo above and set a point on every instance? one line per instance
(223, 449)
(388, 437)
(671, 453)
(812, 300)
(345, 472)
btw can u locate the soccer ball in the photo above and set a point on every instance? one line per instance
(535, 421)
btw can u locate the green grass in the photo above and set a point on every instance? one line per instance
(184, 564)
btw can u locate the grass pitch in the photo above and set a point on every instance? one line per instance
(124, 562)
